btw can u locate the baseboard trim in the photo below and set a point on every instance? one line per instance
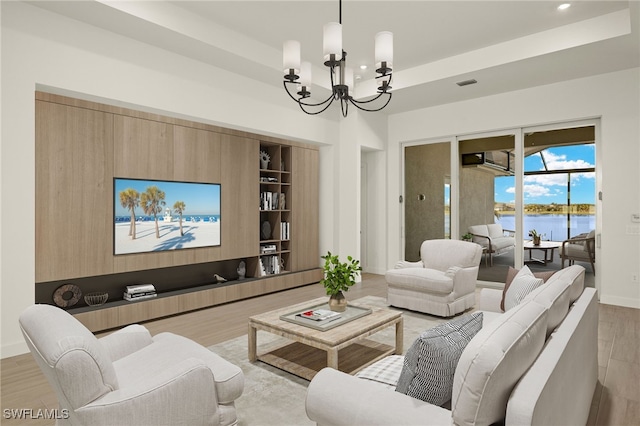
(619, 301)
(14, 349)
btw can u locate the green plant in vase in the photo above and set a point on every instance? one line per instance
(338, 277)
(536, 237)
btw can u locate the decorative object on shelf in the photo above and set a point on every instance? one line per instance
(536, 237)
(219, 279)
(338, 277)
(67, 295)
(467, 237)
(265, 159)
(341, 77)
(96, 299)
(242, 270)
(265, 230)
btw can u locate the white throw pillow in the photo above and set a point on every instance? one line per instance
(523, 283)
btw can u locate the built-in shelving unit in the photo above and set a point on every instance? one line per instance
(275, 209)
(74, 228)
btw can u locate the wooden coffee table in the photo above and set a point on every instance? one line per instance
(345, 347)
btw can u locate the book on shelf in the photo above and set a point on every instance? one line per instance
(268, 248)
(270, 265)
(140, 288)
(284, 230)
(319, 314)
(269, 200)
(139, 296)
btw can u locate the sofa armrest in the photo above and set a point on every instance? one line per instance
(336, 398)
(402, 264)
(490, 299)
(126, 341)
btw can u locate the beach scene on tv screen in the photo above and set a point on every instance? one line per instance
(152, 215)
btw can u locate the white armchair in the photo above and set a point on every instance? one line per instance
(129, 377)
(443, 283)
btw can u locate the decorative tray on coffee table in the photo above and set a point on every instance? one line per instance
(351, 313)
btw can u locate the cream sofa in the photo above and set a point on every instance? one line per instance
(534, 364)
(129, 377)
(493, 239)
(443, 283)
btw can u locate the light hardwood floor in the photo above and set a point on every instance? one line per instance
(616, 400)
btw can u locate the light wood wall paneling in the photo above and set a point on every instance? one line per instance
(143, 149)
(134, 113)
(197, 156)
(74, 160)
(305, 252)
(240, 197)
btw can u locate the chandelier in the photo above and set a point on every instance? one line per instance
(298, 75)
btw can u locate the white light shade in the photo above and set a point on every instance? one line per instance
(291, 56)
(332, 40)
(348, 79)
(384, 48)
(305, 74)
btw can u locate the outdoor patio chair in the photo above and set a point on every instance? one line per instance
(581, 248)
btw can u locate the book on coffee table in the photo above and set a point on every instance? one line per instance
(319, 314)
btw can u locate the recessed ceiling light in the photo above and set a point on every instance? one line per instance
(363, 67)
(564, 6)
(358, 77)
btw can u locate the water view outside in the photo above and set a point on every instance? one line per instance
(552, 227)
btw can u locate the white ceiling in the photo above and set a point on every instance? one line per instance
(504, 45)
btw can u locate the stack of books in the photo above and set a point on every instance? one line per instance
(268, 248)
(139, 292)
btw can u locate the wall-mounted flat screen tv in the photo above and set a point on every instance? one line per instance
(155, 215)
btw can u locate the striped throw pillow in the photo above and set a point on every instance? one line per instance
(430, 362)
(523, 283)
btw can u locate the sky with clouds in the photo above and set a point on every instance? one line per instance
(547, 189)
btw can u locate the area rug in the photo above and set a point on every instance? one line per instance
(275, 397)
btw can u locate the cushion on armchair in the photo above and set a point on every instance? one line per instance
(430, 363)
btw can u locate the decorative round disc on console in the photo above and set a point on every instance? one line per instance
(67, 295)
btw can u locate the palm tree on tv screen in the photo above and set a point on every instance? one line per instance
(179, 207)
(130, 199)
(152, 202)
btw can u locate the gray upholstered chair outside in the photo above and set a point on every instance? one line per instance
(581, 248)
(443, 283)
(129, 377)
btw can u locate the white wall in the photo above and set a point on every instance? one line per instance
(614, 97)
(43, 50)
